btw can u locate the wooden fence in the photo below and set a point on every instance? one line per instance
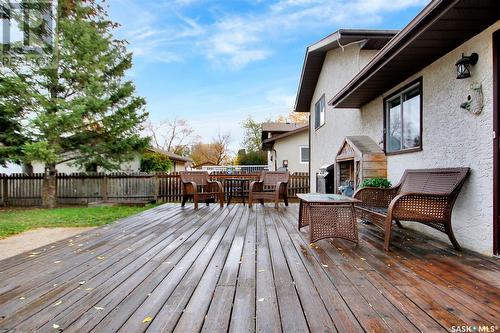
(26, 189)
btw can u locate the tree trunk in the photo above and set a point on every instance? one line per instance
(49, 187)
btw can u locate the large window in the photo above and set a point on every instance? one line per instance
(319, 112)
(403, 120)
(304, 154)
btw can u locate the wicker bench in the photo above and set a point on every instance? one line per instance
(426, 196)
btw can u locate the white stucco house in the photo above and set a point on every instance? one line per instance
(287, 146)
(180, 163)
(406, 96)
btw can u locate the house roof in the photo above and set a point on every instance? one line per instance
(206, 163)
(316, 53)
(170, 155)
(439, 28)
(268, 143)
(278, 128)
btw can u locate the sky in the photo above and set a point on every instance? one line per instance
(214, 63)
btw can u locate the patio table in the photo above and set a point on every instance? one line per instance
(237, 187)
(328, 216)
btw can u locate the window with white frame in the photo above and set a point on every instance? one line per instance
(403, 120)
(304, 154)
(319, 112)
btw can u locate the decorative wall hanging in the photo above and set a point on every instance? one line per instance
(474, 103)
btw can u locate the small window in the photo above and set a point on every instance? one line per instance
(403, 120)
(304, 154)
(319, 112)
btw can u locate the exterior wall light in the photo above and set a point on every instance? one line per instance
(463, 65)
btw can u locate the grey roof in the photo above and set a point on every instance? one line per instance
(364, 144)
(268, 143)
(274, 128)
(280, 127)
(170, 155)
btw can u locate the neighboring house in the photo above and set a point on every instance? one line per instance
(410, 100)
(287, 146)
(180, 163)
(204, 164)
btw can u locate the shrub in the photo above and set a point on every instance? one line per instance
(251, 158)
(151, 162)
(376, 182)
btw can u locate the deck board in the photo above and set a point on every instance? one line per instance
(243, 270)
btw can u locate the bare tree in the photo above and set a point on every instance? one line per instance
(294, 117)
(221, 148)
(216, 152)
(171, 135)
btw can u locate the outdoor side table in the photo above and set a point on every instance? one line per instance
(237, 187)
(328, 216)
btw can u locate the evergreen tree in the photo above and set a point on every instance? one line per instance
(77, 107)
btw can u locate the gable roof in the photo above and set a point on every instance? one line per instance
(268, 143)
(278, 128)
(439, 28)
(316, 53)
(170, 155)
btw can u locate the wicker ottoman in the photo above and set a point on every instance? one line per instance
(328, 216)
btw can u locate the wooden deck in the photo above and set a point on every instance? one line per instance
(240, 270)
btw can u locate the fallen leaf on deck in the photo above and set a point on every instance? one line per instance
(57, 303)
(22, 297)
(101, 257)
(81, 282)
(55, 326)
(362, 258)
(147, 319)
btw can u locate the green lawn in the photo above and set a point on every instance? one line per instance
(18, 220)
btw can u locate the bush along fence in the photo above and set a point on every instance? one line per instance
(85, 188)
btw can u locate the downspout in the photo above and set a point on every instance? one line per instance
(275, 159)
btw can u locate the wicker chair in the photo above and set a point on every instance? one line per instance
(272, 185)
(426, 196)
(197, 185)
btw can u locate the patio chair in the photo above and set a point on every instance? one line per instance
(197, 185)
(426, 196)
(272, 185)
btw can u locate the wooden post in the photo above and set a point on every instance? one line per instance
(5, 189)
(156, 187)
(104, 188)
